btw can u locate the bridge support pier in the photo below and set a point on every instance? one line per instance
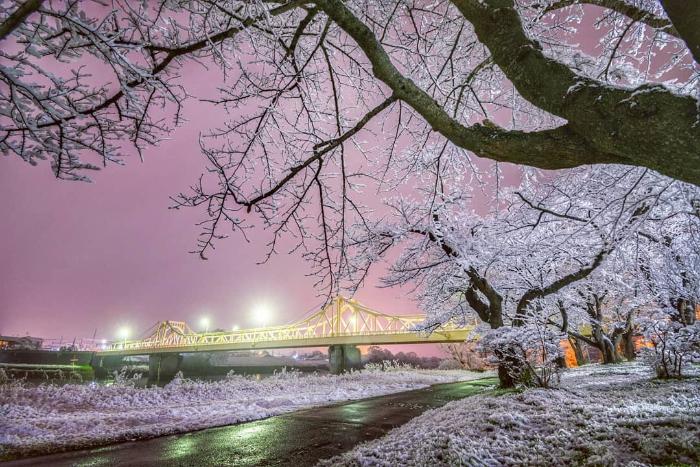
(343, 358)
(162, 367)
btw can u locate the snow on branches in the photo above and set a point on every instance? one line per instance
(565, 250)
(674, 345)
(530, 354)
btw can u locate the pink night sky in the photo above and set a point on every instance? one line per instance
(79, 257)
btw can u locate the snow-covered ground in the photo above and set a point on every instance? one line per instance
(51, 418)
(602, 415)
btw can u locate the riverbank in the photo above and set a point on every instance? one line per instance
(299, 438)
(49, 418)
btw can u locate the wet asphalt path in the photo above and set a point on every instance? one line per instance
(299, 438)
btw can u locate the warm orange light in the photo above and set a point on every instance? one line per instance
(569, 354)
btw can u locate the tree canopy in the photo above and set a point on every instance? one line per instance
(502, 79)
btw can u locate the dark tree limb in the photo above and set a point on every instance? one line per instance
(17, 16)
(552, 149)
(554, 287)
(685, 15)
(648, 126)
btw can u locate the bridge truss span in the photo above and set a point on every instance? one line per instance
(342, 321)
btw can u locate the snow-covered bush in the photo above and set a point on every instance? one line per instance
(285, 373)
(673, 346)
(466, 355)
(450, 364)
(388, 365)
(529, 354)
(122, 379)
(377, 354)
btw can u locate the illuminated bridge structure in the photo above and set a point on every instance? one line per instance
(342, 322)
(341, 325)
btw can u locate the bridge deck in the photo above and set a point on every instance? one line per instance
(458, 335)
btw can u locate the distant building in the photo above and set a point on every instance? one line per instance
(20, 343)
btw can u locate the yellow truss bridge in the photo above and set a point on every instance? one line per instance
(341, 322)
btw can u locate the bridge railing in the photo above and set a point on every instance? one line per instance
(199, 340)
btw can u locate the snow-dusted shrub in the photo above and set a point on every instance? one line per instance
(285, 373)
(450, 364)
(373, 367)
(468, 354)
(673, 346)
(388, 365)
(530, 354)
(178, 380)
(122, 379)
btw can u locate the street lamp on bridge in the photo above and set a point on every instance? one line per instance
(123, 335)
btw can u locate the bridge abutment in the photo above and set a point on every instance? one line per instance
(106, 364)
(343, 358)
(162, 367)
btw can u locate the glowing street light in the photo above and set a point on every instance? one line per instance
(123, 334)
(262, 314)
(235, 327)
(204, 323)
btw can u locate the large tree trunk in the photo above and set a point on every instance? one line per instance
(609, 351)
(605, 345)
(628, 349)
(512, 369)
(507, 368)
(597, 336)
(505, 379)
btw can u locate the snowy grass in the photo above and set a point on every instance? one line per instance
(49, 418)
(602, 415)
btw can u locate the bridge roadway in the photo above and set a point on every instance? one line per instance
(409, 337)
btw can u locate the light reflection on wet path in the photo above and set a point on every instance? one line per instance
(298, 438)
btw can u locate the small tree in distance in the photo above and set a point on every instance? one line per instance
(467, 355)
